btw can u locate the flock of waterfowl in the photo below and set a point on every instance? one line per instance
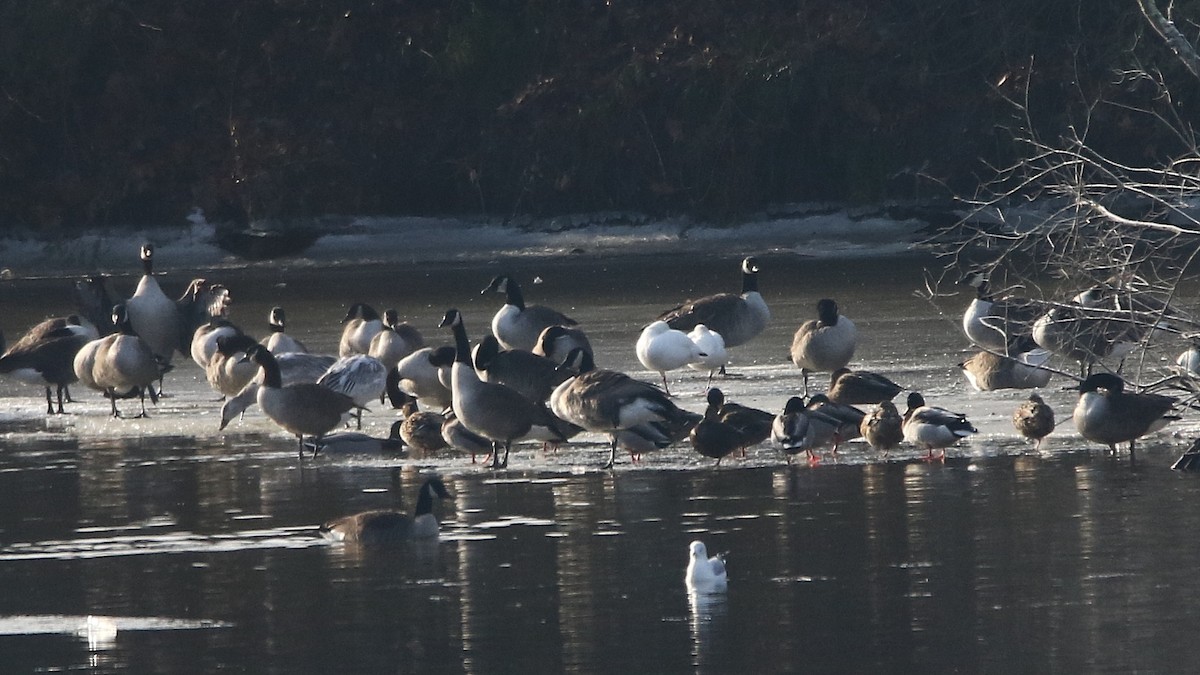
(533, 378)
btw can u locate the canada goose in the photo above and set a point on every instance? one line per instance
(530, 375)
(556, 342)
(359, 443)
(417, 375)
(120, 363)
(845, 420)
(45, 355)
(823, 344)
(302, 408)
(278, 341)
(882, 428)
(931, 427)
(153, 315)
(421, 431)
(712, 346)
(360, 325)
(661, 348)
(226, 372)
(853, 387)
(1079, 334)
(294, 367)
(95, 303)
(204, 339)
(986, 371)
(397, 340)
(461, 438)
(1107, 414)
(1002, 325)
(606, 401)
(517, 325)
(738, 318)
(713, 437)
(200, 303)
(641, 439)
(792, 432)
(491, 410)
(391, 527)
(705, 574)
(363, 378)
(1034, 419)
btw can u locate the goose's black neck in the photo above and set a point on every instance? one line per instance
(749, 281)
(462, 347)
(513, 293)
(271, 376)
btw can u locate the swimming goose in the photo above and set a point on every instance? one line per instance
(1002, 325)
(853, 387)
(391, 527)
(204, 339)
(418, 375)
(363, 378)
(931, 427)
(301, 408)
(712, 346)
(119, 364)
(421, 431)
(738, 318)
(226, 372)
(517, 325)
(360, 325)
(986, 371)
(713, 437)
(279, 342)
(530, 375)
(294, 367)
(705, 574)
(882, 428)
(1034, 419)
(397, 340)
(45, 355)
(606, 401)
(154, 316)
(491, 410)
(661, 348)
(1107, 414)
(823, 344)
(556, 342)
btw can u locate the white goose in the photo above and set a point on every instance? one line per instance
(712, 346)
(661, 348)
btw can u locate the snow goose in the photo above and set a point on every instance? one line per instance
(119, 364)
(712, 346)
(302, 408)
(391, 527)
(853, 387)
(987, 371)
(1002, 325)
(45, 355)
(517, 325)
(823, 344)
(359, 326)
(931, 427)
(1034, 419)
(705, 574)
(1108, 414)
(606, 401)
(556, 342)
(294, 367)
(491, 410)
(737, 317)
(363, 378)
(278, 341)
(661, 348)
(883, 427)
(395, 341)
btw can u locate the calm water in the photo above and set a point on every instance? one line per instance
(196, 550)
